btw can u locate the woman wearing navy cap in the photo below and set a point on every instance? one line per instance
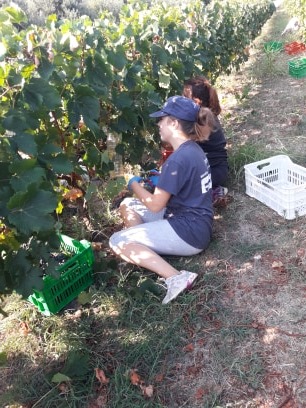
(177, 218)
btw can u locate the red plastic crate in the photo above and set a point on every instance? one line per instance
(294, 48)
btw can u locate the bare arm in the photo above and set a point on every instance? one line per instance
(154, 202)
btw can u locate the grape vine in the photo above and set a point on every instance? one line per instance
(63, 84)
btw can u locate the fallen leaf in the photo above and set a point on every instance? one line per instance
(98, 246)
(100, 375)
(24, 328)
(101, 401)
(84, 298)
(73, 194)
(193, 370)
(147, 390)
(135, 377)
(230, 294)
(199, 393)
(64, 388)
(189, 347)
(159, 378)
(78, 314)
(201, 342)
(277, 265)
(301, 252)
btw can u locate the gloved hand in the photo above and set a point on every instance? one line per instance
(154, 177)
(132, 179)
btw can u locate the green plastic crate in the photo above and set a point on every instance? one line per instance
(76, 274)
(273, 46)
(297, 67)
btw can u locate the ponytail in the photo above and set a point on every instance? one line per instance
(214, 103)
(205, 125)
(202, 91)
(200, 130)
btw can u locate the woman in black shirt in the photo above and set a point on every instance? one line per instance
(199, 89)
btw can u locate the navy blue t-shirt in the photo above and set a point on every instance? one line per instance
(186, 176)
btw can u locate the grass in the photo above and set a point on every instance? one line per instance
(116, 333)
(270, 64)
(242, 155)
(120, 330)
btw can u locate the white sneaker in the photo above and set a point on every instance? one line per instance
(177, 284)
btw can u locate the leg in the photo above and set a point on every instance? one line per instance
(143, 244)
(219, 175)
(144, 257)
(130, 217)
(133, 213)
(176, 281)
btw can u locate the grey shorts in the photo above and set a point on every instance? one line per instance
(155, 233)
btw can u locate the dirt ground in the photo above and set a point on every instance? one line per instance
(253, 349)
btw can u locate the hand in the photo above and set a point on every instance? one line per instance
(154, 172)
(131, 180)
(154, 177)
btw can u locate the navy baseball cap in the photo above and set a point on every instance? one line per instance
(179, 107)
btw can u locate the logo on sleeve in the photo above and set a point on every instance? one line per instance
(206, 182)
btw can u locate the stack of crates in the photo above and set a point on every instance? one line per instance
(295, 48)
(76, 274)
(297, 67)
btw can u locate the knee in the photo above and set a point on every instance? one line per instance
(119, 246)
(126, 206)
(114, 242)
(129, 214)
(127, 202)
(123, 208)
(118, 241)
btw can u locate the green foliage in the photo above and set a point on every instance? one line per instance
(66, 84)
(242, 155)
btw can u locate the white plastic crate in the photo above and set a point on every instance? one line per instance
(278, 183)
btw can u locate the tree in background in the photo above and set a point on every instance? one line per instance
(37, 11)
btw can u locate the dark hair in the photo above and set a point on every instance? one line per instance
(202, 90)
(202, 128)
